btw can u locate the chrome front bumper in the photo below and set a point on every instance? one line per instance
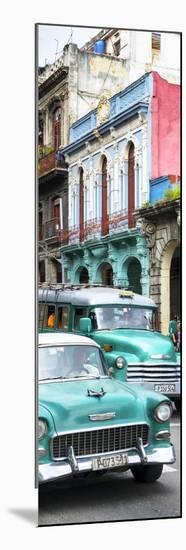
(69, 467)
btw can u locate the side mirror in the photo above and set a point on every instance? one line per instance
(85, 325)
(111, 372)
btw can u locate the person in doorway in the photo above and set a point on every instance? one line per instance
(51, 319)
(173, 330)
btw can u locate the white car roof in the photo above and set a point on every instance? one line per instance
(53, 338)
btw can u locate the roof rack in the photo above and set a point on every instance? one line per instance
(78, 286)
(64, 286)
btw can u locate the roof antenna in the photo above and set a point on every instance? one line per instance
(56, 48)
(70, 37)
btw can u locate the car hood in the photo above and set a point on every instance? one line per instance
(70, 404)
(139, 343)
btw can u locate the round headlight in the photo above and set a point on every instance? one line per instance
(42, 428)
(120, 362)
(163, 412)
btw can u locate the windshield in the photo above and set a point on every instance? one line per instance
(122, 317)
(58, 362)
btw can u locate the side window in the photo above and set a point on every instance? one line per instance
(62, 317)
(46, 316)
(93, 319)
(79, 312)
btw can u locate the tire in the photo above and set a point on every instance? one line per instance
(147, 474)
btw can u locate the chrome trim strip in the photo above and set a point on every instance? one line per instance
(164, 434)
(102, 416)
(154, 364)
(71, 343)
(52, 471)
(73, 379)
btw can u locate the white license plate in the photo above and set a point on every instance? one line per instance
(104, 463)
(165, 388)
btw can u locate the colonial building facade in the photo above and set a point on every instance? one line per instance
(160, 224)
(113, 156)
(67, 90)
(108, 181)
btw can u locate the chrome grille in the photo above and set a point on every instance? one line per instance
(99, 441)
(153, 373)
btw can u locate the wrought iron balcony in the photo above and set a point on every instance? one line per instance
(92, 229)
(118, 220)
(50, 162)
(49, 230)
(95, 229)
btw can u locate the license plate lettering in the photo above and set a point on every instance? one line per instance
(104, 463)
(165, 388)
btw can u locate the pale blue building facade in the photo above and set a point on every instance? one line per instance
(109, 170)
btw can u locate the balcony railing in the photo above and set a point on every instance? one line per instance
(118, 220)
(49, 229)
(93, 228)
(51, 161)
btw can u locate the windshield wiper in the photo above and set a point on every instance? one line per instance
(134, 328)
(93, 376)
(53, 378)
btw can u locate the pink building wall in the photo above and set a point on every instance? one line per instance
(165, 125)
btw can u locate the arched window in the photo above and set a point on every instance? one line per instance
(42, 271)
(41, 131)
(134, 275)
(81, 205)
(104, 219)
(83, 276)
(131, 186)
(107, 274)
(58, 272)
(175, 269)
(40, 222)
(57, 128)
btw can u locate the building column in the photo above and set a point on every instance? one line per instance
(145, 180)
(65, 120)
(115, 201)
(142, 252)
(91, 190)
(47, 140)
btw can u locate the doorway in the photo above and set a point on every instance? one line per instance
(107, 274)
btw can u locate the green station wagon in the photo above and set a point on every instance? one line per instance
(124, 324)
(90, 423)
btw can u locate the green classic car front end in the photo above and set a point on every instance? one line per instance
(90, 423)
(142, 358)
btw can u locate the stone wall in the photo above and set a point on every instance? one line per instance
(161, 227)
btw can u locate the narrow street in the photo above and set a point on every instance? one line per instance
(115, 497)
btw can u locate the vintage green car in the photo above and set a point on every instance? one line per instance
(90, 423)
(124, 324)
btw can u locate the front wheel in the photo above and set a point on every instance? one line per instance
(147, 474)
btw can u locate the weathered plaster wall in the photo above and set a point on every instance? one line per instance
(165, 121)
(90, 75)
(118, 255)
(162, 231)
